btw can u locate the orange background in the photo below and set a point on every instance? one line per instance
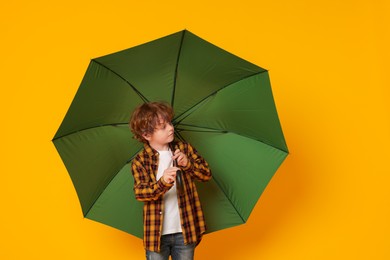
(328, 62)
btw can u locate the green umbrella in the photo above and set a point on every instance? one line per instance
(223, 106)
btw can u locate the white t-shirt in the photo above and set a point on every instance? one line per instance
(171, 217)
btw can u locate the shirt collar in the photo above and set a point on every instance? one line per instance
(149, 150)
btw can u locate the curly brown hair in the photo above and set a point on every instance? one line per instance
(147, 116)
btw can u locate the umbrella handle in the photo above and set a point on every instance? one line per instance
(179, 180)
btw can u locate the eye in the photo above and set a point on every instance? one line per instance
(167, 124)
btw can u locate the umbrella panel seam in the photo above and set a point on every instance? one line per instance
(176, 69)
(230, 201)
(212, 94)
(88, 128)
(214, 130)
(125, 80)
(108, 183)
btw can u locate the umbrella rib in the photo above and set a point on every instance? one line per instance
(215, 130)
(214, 93)
(102, 125)
(179, 136)
(125, 80)
(203, 131)
(108, 184)
(88, 128)
(206, 130)
(231, 202)
(121, 124)
(176, 69)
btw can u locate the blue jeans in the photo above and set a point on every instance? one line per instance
(172, 244)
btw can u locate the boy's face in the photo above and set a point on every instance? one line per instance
(162, 135)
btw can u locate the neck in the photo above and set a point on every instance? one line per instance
(159, 147)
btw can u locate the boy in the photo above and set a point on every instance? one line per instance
(173, 220)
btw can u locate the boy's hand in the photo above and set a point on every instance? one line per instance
(182, 159)
(169, 174)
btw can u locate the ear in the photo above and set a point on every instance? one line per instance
(147, 136)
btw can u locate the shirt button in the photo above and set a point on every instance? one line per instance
(160, 213)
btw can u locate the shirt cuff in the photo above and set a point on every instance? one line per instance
(188, 166)
(164, 184)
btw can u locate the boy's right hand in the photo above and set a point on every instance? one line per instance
(169, 174)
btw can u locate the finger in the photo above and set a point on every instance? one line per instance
(172, 174)
(181, 157)
(176, 154)
(173, 169)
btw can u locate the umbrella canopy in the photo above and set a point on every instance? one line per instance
(223, 106)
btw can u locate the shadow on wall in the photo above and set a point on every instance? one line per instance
(285, 193)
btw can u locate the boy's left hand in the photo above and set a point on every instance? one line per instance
(182, 159)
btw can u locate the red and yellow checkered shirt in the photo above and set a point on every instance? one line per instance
(151, 191)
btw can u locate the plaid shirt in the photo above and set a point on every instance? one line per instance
(151, 191)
